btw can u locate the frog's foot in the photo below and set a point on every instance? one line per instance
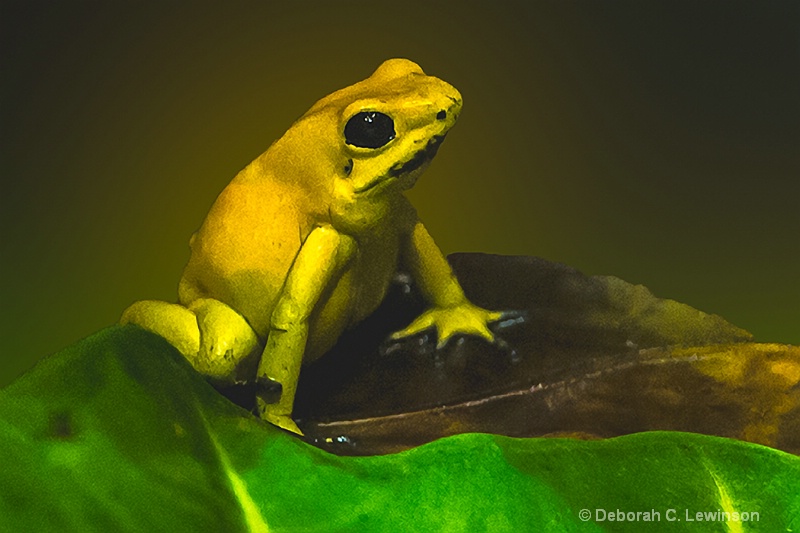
(484, 324)
(172, 322)
(282, 421)
(276, 414)
(465, 319)
(274, 406)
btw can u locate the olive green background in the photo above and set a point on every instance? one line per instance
(659, 142)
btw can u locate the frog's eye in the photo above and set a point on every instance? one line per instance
(369, 129)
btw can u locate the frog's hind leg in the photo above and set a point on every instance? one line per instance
(174, 322)
(214, 338)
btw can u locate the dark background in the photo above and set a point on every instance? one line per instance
(655, 141)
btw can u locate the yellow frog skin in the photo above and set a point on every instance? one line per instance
(304, 242)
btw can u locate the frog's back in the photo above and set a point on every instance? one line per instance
(245, 247)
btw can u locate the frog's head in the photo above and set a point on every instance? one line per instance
(375, 137)
(391, 125)
(358, 148)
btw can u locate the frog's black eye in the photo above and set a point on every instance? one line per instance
(369, 129)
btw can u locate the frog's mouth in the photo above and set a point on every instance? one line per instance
(399, 170)
(419, 158)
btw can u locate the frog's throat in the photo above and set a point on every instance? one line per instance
(419, 158)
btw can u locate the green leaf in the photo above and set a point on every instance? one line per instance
(118, 433)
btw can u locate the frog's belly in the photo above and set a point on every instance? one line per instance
(357, 294)
(330, 318)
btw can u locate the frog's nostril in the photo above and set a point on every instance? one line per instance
(441, 115)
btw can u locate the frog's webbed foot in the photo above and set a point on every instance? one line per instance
(448, 321)
(454, 322)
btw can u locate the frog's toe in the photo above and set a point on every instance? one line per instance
(283, 421)
(508, 319)
(286, 422)
(418, 327)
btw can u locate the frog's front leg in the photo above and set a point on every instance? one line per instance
(450, 313)
(318, 265)
(215, 339)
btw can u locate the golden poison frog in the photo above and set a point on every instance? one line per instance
(304, 242)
